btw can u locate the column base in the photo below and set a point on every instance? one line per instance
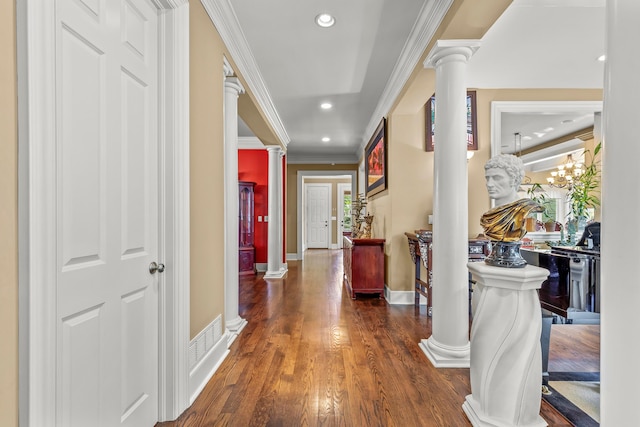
(234, 328)
(278, 274)
(443, 356)
(478, 419)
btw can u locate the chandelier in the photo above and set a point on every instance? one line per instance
(566, 173)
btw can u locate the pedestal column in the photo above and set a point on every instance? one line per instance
(233, 322)
(506, 356)
(275, 269)
(620, 292)
(448, 345)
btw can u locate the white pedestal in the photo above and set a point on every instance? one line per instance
(506, 357)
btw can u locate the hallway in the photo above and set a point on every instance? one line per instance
(312, 356)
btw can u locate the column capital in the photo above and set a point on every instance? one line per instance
(233, 83)
(226, 68)
(463, 49)
(276, 149)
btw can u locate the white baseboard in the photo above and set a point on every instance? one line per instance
(261, 267)
(206, 352)
(292, 257)
(402, 297)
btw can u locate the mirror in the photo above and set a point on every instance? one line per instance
(548, 130)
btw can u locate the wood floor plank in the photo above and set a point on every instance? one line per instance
(312, 356)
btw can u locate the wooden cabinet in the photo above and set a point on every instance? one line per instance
(363, 261)
(247, 256)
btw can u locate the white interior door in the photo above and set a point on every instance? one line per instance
(318, 215)
(107, 213)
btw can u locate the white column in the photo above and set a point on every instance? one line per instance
(233, 322)
(620, 293)
(448, 345)
(275, 269)
(506, 367)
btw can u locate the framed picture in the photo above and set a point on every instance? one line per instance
(472, 128)
(375, 155)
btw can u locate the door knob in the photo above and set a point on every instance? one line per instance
(154, 266)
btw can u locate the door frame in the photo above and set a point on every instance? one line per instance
(300, 206)
(37, 210)
(329, 203)
(342, 186)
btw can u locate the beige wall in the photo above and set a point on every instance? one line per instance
(292, 197)
(207, 172)
(8, 219)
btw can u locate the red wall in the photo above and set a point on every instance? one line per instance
(253, 166)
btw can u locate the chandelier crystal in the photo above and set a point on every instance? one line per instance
(566, 173)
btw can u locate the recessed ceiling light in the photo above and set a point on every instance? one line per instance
(549, 129)
(325, 20)
(326, 139)
(326, 105)
(602, 58)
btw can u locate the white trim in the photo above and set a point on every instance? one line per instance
(173, 384)
(299, 180)
(261, 267)
(224, 19)
(37, 244)
(402, 297)
(427, 22)
(292, 257)
(37, 209)
(207, 351)
(499, 107)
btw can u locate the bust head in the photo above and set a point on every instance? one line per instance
(503, 174)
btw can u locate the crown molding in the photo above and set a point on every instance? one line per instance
(224, 19)
(428, 21)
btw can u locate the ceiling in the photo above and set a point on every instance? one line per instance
(534, 44)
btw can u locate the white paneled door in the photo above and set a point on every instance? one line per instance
(107, 210)
(317, 200)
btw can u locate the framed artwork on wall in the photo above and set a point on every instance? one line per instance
(472, 128)
(375, 155)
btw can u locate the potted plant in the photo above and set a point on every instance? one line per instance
(538, 195)
(583, 194)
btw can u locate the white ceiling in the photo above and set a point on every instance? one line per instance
(534, 44)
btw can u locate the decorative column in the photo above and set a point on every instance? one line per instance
(506, 362)
(448, 345)
(620, 199)
(233, 322)
(275, 270)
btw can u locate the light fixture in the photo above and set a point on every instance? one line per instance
(325, 20)
(326, 139)
(326, 105)
(470, 154)
(566, 173)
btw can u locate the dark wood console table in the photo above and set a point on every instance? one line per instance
(420, 249)
(363, 261)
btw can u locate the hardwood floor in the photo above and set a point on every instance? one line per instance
(311, 356)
